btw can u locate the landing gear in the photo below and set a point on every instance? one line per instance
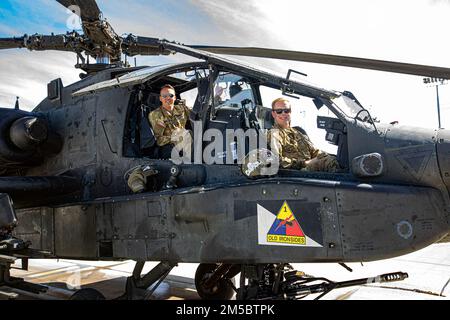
(137, 286)
(215, 281)
(10, 247)
(261, 281)
(17, 283)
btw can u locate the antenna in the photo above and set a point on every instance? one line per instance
(17, 104)
(436, 82)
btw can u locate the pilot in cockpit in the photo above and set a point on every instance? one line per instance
(169, 119)
(295, 149)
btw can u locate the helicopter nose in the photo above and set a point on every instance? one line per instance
(443, 154)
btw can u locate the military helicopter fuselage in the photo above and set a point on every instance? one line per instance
(395, 204)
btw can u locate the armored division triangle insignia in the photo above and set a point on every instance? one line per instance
(285, 228)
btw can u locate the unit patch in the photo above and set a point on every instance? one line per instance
(283, 226)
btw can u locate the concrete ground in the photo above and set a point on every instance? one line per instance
(428, 269)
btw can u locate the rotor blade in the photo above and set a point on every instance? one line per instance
(380, 65)
(39, 42)
(306, 89)
(9, 43)
(88, 9)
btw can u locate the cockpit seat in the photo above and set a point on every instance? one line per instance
(235, 88)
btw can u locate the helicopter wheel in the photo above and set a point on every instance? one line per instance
(223, 289)
(87, 294)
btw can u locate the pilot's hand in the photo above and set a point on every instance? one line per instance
(312, 165)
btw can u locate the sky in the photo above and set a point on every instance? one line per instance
(401, 30)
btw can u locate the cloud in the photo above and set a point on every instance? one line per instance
(239, 22)
(26, 74)
(377, 30)
(437, 2)
(8, 30)
(159, 20)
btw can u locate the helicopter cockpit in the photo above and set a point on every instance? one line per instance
(221, 100)
(225, 96)
(231, 107)
(191, 84)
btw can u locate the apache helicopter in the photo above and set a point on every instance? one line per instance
(63, 165)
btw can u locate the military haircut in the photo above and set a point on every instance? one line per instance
(167, 86)
(278, 100)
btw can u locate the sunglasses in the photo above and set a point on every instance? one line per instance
(167, 95)
(280, 111)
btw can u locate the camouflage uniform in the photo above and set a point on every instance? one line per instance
(169, 130)
(137, 180)
(165, 122)
(295, 148)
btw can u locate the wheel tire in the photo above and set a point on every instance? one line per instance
(221, 291)
(87, 294)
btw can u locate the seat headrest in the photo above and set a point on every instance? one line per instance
(235, 89)
(268, 119)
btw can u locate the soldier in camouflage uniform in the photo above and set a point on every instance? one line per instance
(168, 122)
(295, 150)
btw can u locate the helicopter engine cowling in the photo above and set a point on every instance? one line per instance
(25, 138)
